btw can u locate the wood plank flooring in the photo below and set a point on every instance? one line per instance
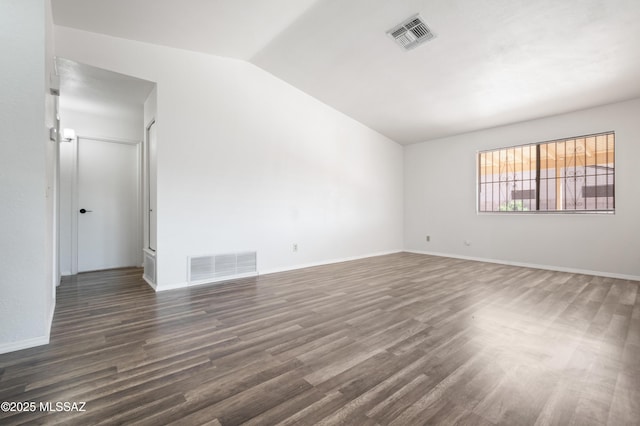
(401, 339)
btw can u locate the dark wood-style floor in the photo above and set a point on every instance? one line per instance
(401, 339)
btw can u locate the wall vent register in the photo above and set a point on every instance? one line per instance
(219, 267)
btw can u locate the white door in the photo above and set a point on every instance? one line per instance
(108, 214)
(152, 189)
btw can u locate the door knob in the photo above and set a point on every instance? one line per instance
(83, 211)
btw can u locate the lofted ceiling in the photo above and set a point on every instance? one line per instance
(102, 92)
(493, 62)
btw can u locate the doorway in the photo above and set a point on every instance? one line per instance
(101, 169)
(108, 204)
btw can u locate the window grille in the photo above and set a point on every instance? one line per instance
(568, 175)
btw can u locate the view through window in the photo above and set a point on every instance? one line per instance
(568, 175)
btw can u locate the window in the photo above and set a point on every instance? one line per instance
(568, 175)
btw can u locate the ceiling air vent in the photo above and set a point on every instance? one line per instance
(411, 33)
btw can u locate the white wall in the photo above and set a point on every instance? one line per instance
(150, 107)
(123, 122)
(26, 299)
(440, 199)
(246, 161)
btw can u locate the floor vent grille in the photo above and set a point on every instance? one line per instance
(149, 273)
(219, 267)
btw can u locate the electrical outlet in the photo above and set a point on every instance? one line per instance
(295, 247)
(428, 238)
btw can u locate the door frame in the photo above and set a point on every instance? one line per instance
(146, 189)
(76, 195)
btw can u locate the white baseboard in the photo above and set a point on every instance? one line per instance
(222, 279)
(166, 287)
(270, 271)
(531, 265)
(327, 262)
(23, 344)
(151, 284)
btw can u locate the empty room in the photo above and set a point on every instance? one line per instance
(320, 212)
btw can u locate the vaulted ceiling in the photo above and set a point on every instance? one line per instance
(493, 62)
(97, 91)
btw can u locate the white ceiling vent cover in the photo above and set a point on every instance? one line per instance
(221, 267)
(411, 33)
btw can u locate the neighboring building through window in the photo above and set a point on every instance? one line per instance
(568, 175)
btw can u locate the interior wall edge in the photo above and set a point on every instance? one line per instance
(328, 262)
(554, 268)
(24, 344)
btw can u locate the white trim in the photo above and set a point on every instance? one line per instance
(56, 200)
(50, 322)
(109, 139)
(171, 286)
(74, 208)
(146, 193)
(145, 186)
(139, 200)
(328, 262)
(221, 279)
(148, 281)
(23, 344)
(276, 270)
(532, 265)
(205, 282)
